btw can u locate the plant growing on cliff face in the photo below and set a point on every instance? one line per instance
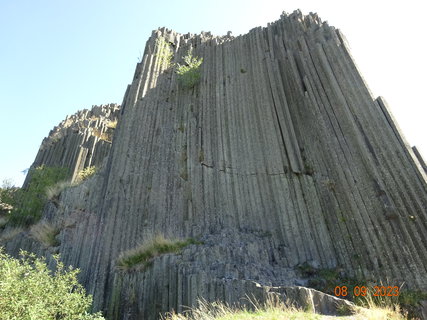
(45, 233)
(143, 255)
(164, 52)
(53, 192)
(189, 73)
(30, 291)
(112, 124)
(31, 200)
(86, 173)
(105, 136)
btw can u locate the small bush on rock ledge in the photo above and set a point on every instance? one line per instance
(142, 256)
(189, 73)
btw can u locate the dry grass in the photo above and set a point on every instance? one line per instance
(142, 256)
(275, 308)
(112, 124)
(106, 136)
(86, 173)
(45, 233)
(380, 308)
(53, 192)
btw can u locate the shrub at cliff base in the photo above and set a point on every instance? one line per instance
(30, 291)
(31, 200)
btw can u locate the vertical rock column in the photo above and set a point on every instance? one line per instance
(278, 156)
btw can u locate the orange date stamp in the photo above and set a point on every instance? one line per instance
(363, 291)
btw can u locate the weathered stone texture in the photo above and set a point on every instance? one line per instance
(81, 140)
(280, 155)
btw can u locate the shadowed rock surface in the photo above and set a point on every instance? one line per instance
(277, 157)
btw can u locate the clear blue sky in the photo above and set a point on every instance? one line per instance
(59, 56)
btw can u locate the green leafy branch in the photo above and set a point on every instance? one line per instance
(189, 73)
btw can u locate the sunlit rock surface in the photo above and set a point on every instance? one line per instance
(278, 156)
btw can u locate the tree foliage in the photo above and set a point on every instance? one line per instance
(30, 291)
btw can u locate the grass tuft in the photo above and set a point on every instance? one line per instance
(274, 308)
(142, 256)
(86, 173)
(45, 233)
(53, 192)
(112, 124)
(381, 308)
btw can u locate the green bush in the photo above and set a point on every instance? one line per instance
(30, 291)
(31, 200)
(189, 74)
(143, 255)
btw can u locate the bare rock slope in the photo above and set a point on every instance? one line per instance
(277, 157)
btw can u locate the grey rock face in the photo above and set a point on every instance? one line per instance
(81, 140)
(279, 156)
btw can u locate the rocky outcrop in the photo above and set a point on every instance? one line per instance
(80, 141)
(277, 157)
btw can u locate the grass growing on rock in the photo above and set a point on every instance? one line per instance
(164, 52)
(86, 173)
(142, 256)
(31, 200)
(112, 124)
(326, 280)
(275, 308)
(45, 233)
(53, 192)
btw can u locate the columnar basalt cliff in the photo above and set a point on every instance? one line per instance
(80, 141)
(277, 157)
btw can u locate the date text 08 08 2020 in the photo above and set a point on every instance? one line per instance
(376, 291)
